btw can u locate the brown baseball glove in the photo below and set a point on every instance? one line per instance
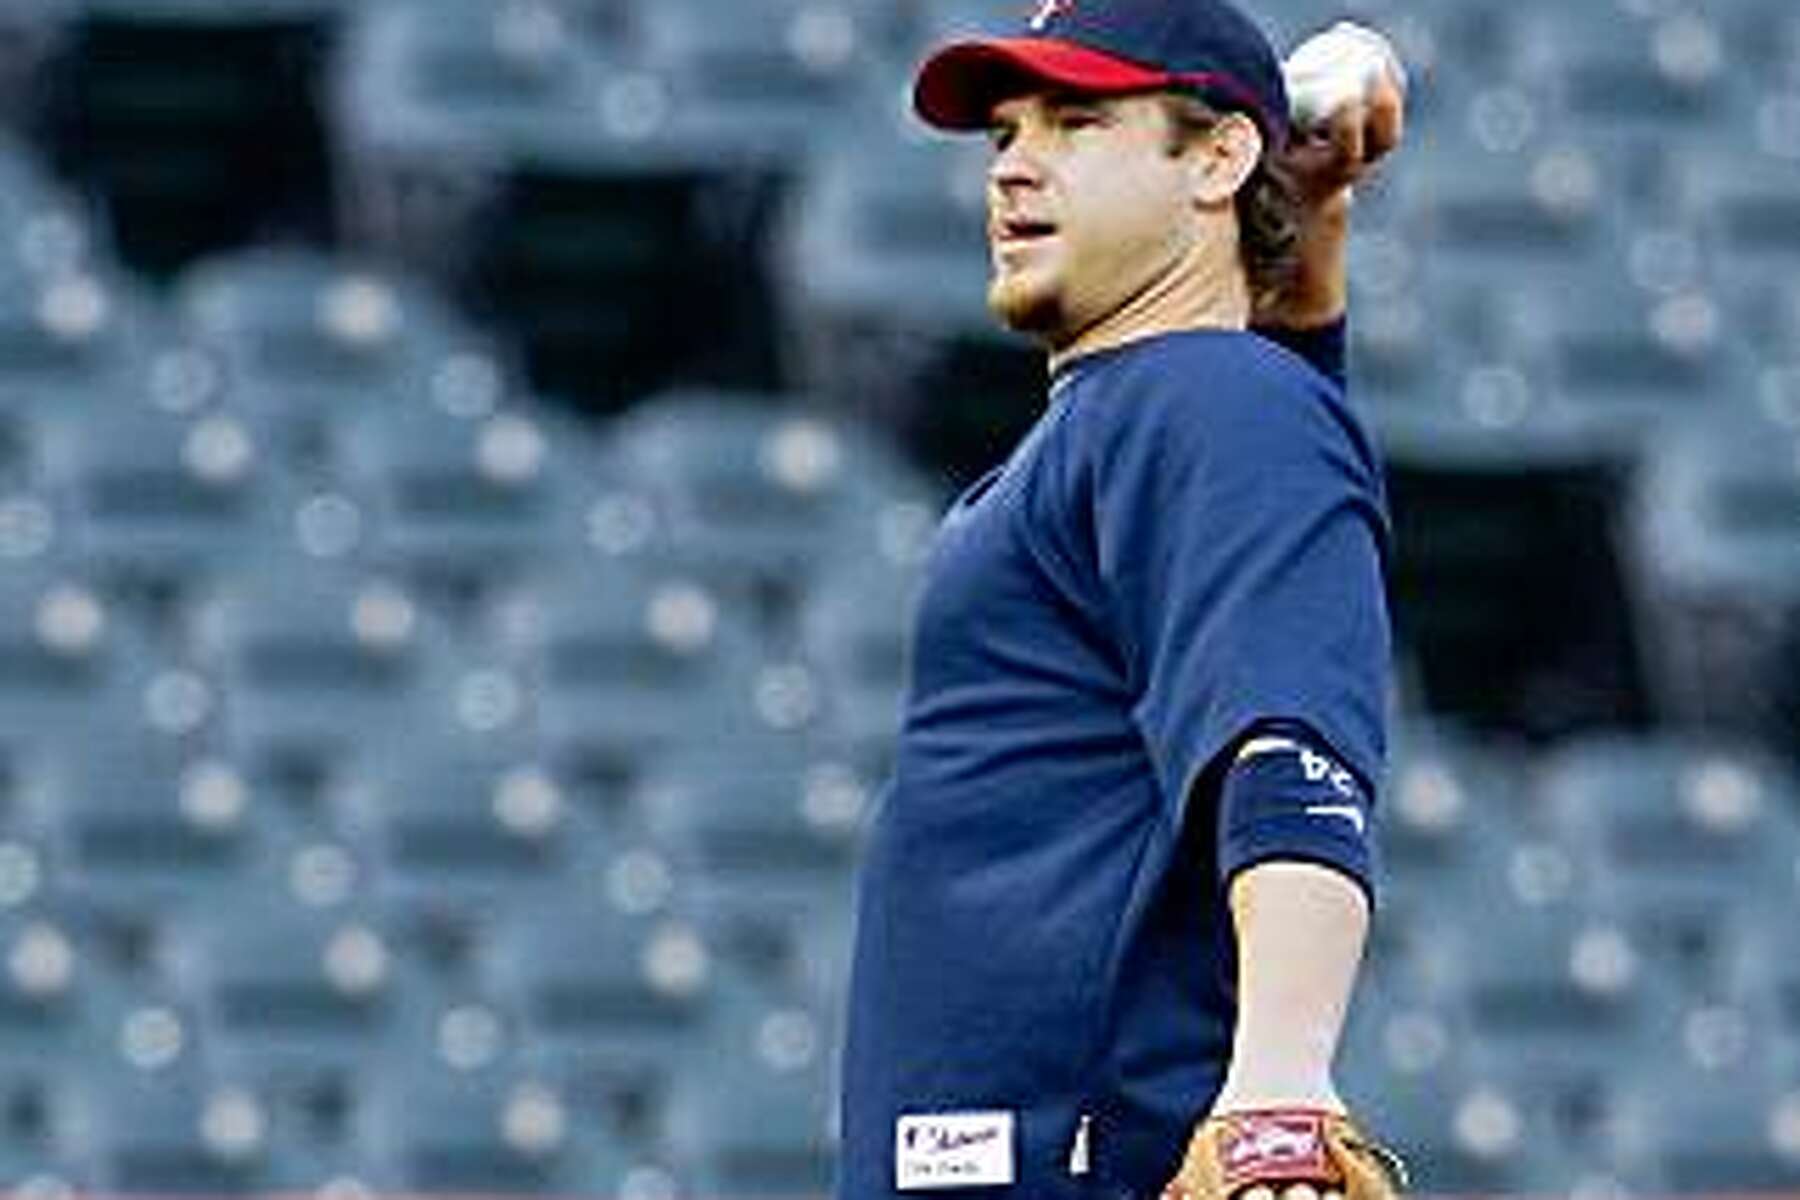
(1275, 1149)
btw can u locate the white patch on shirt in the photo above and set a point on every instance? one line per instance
(953, 1150)
(1079, 1154)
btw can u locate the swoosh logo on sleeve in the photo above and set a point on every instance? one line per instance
(1348, 812)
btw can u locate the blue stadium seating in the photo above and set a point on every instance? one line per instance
(856, 628)
(565, 167)
(52, 1010)
(627, 665)
(73, 343)
(756, 1120)
(72, 665)
(1718, 575)
(309, 342)
(1758, 973)
(314, 660)
(144, 829)
(1685, 1126)
(186, 1135)
(1461, 1132)
(613, 996)
(296, 1001)
(460, 506)
(196, 121)
(455, 832)
(1677, 835)
(763, 846)
(162, 504)
(757, 495)
(758, 88)
(497, 1128)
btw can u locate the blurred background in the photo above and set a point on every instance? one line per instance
(463, 469)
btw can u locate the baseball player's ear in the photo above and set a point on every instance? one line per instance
(1223, 161)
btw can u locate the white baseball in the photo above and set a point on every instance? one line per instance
(1335, 68)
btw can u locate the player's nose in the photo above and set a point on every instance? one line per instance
(1014, 167)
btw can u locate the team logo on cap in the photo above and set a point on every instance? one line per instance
(1048, 11)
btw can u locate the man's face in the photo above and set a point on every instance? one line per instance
(1086, 209)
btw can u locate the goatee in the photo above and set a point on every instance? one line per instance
(1023, 309)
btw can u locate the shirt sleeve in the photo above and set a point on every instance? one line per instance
(1285, 796)
(1242, 539)
(1324, 348)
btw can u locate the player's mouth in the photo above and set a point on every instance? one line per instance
(1018, 231)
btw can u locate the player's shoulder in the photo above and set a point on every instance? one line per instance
(1228, 390)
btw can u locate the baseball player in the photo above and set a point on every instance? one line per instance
(1117, 891)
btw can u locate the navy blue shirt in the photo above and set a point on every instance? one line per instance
(1185, 549)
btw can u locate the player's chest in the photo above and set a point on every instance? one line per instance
(992, 595)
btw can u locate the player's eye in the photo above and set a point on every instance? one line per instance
(1000, 136)
(1078, 116)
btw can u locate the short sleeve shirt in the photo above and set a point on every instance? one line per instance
(1189, 542)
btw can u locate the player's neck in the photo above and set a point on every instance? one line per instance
(1208, 289)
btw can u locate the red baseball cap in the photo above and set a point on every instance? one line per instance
(1208, 48)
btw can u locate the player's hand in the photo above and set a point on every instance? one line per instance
(1285, 1154)
(1347, 89)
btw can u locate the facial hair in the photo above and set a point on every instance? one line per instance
(1024, 308)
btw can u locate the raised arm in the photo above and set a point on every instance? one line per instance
(1324, 161)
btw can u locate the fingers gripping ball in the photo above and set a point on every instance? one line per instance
(1338, 67)
(1285, 1154)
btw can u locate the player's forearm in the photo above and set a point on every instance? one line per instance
(1300, 930)
(1320, 292)
(1322, 289)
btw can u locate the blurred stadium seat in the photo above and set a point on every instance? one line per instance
(613, 987)
(1488, 249)
(856, 629)
(73, 668)
(764, 848)
(1509, 585)
(1676, 836)
(755, 91)
(1465, 1133)
(757, 494)
(752, 1115)
(74, 345)
(1718, 568)
(295, 1001)
(51, 1021)
(196, 121)
(457, 834)
(629, 665)
(459, 506)
(161, 505)
(1710, 1117)
(584, 179)
(1541, 1006)
(144, 830)
(313, 660)
(305, 343)
(493, 1128)
(187, 1134)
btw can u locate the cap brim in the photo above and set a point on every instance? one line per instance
(958, 86)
